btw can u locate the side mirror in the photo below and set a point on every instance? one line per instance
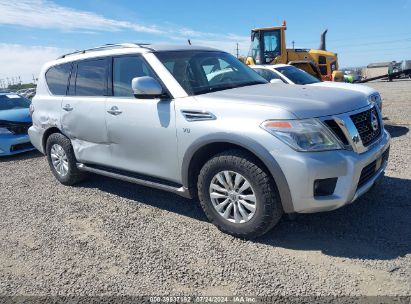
(274, 80)
(146, 87)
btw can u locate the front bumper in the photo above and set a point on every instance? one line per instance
(11, 144)
(302, 169)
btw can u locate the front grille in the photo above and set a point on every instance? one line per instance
(22, 146)
(20, 129)
(17, 128)
(336, 130)
(364, 123)
(385, 155)
(369, 171)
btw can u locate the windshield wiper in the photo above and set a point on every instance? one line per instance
(213, 89)
(227, 87)
(250, 83)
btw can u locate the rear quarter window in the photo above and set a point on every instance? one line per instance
(57, 78)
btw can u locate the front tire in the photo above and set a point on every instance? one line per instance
(62, 160)
(238, 195)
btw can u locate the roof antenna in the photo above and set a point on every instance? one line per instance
(189, 41)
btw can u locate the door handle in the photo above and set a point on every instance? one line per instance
(114, 111)
(68, 108)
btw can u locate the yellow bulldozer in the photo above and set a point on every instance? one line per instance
(268, 47)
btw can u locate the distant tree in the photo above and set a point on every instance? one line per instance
(20, 86)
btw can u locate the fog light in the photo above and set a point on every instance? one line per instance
(324, 187)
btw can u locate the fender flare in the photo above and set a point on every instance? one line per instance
(250, 145)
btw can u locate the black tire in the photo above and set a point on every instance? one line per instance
(73, 175)
(268, 210)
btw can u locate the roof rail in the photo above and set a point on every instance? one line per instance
(143, 45)
(105, 47)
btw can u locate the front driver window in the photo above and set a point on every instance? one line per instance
(124, 70)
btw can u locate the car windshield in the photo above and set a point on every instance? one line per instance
(200, 72)
(296, 75)
(13, 101)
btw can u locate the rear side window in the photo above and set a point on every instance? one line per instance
(124, 70)
(57, 78)
(267, 74)
(91, 78)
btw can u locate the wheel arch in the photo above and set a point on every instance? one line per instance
(206, 147)
(46, 135)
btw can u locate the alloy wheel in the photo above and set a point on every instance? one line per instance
(59, 159)
(233, 197)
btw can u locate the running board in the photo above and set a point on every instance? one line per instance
(182, 191)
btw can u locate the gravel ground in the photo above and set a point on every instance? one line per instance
(107, 237)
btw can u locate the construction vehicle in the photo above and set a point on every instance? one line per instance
(268, 47)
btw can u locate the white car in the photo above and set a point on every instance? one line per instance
(291, 75)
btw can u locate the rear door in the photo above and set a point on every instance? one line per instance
(48, 106)
(83, 110)
(141, 132)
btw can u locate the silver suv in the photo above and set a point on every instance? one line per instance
(198, 122)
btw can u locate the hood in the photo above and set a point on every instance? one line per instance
(347, 86)
(15, 115)
(303, 101)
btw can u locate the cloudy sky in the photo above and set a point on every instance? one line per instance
(35, 31)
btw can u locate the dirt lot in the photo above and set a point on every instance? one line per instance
(110, 237)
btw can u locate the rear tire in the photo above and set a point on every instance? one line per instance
(62, 160)
(254, 210)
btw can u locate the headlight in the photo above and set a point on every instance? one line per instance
(4, 131)
(376, 98)
(303, 135)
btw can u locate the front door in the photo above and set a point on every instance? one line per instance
(141, 132)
